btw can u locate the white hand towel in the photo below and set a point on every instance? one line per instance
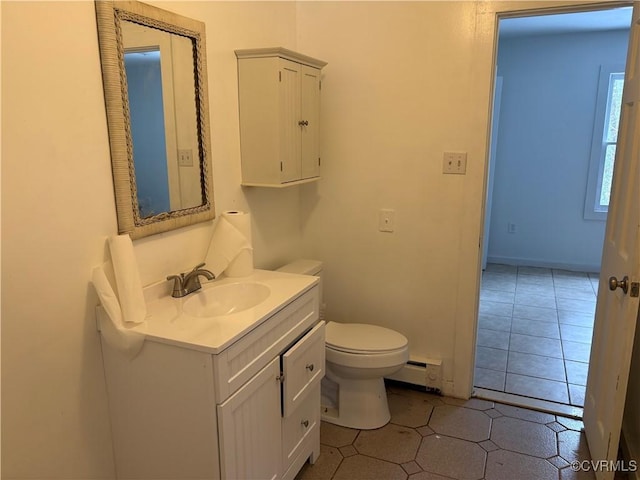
(226, 243)
(129, 286)
(111, 328)
(242, 265)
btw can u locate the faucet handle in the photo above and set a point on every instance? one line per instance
(178, 288)
(198, 267)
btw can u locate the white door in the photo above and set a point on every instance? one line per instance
(617, 311)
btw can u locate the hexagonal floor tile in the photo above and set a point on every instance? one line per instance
(409, 410)
(461, 423)
(360, 467)
(524, 413)
(427, 476)
(573, 446)
(336, 436)
(504, 465)
(524, 437)
(325, 466)
(442, 455)
(393, 443)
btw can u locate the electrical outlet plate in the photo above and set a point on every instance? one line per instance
(454, 163)
(386, 220)
(185, 158)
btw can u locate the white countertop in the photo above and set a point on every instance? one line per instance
(167, 323)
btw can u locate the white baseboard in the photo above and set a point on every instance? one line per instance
(530, 262)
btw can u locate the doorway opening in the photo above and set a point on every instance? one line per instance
(543, 230)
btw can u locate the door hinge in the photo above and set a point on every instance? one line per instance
(635, 289)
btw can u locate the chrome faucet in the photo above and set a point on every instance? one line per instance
(186, 283)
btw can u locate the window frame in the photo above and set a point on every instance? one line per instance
(592, 208)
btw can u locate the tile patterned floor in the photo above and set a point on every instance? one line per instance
(437, 438)
(534, 332)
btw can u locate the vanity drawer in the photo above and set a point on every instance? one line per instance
(303, 368)
(242, 360)
(300, 428)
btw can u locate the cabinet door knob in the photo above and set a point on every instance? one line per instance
(310, 367)
(305, 423)
(303, 123)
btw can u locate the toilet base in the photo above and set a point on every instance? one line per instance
(361, 404)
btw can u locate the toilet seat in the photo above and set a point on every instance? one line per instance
(363, 339)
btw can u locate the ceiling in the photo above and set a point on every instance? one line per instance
(612, 19)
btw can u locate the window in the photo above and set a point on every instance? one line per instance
(603, 146)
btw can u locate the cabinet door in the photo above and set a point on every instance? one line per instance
(303, 367)
(249, 425)
(310, 115)
(290, 128)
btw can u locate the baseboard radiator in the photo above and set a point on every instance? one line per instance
(424, 372)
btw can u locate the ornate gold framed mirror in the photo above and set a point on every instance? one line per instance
(154, 73)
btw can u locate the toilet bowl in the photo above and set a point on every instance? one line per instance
(358, 357)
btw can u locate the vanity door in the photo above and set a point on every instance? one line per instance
(249, 427)
(303, 368)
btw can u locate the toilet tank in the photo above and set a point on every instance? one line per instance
(307, 267)
(303, 267)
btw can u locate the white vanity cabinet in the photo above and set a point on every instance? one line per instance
(249, 411)
(279, 100)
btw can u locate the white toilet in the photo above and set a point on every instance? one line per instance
(358, 356)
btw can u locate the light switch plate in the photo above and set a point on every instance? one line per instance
(454, 162)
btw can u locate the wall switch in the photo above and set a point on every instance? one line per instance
(454, 162)
(185, 158)
(386, 220)
(512, 228)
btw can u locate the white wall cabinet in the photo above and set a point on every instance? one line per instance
(279, 101)
(251, 411)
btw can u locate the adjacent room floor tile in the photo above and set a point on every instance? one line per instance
(534, 328)
(576, 372)
(549, 327)
(491, 379)
(549, 347)
(491, 358)
(495, 322)
(576, 351)
(493, 338)
(535, 313)
(536, 366)
(576, 333)
(542, 388)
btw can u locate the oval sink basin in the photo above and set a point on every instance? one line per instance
(226, 299)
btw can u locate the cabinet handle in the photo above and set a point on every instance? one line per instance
(303, 123)
(310, 367)
(305, 423)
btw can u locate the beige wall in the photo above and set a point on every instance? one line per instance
(58, 208)
(392, 103)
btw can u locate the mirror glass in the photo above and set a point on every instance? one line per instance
(154, 73)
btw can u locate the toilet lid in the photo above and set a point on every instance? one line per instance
(363, 338)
